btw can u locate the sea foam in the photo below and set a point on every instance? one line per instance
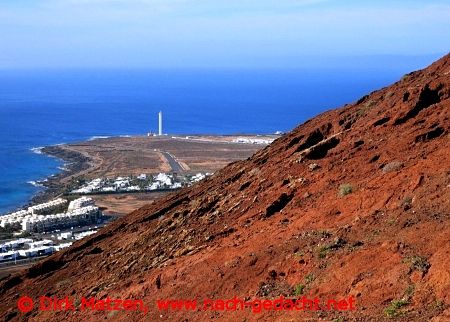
(37, 150)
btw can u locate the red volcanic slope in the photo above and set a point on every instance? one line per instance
(355, 202)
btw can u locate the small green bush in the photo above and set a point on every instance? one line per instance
(345, 189)
(299, 289)
(391, 221)
(393, 309)
(323, 251)
(339, 320)
(298, 254)
(309, 278)
(419, 263)
(438, 304)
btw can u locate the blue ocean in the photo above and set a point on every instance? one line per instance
(39, 108)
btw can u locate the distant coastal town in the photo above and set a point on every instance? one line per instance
(45, 228)
(58, 218)
(140, 183)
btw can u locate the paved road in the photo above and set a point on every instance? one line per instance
(174, 164)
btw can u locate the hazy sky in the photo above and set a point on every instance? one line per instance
(218, 33)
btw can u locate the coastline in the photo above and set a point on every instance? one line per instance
(55, 185)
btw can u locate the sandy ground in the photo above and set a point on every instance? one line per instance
(121, 204)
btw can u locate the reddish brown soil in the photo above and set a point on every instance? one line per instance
(260, 227)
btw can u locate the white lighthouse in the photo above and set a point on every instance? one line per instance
(160, 123)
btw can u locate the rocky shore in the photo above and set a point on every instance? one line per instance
(55, 185)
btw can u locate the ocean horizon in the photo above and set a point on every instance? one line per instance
(40, 108)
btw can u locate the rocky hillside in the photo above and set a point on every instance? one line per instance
(355, 202)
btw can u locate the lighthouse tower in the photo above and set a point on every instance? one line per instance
(160, 123)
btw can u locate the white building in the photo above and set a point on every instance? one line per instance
(84, 234)
(39, 243)
(16, 218)
(91, 186)
(76, 217)
(80, 203)
(66, 235)
(9, 255)
(37, 251)
(61, 246)
(198, 177)
(48, 206)
(253, 140)
(142, 176)
(164, 179)
(15, 244)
